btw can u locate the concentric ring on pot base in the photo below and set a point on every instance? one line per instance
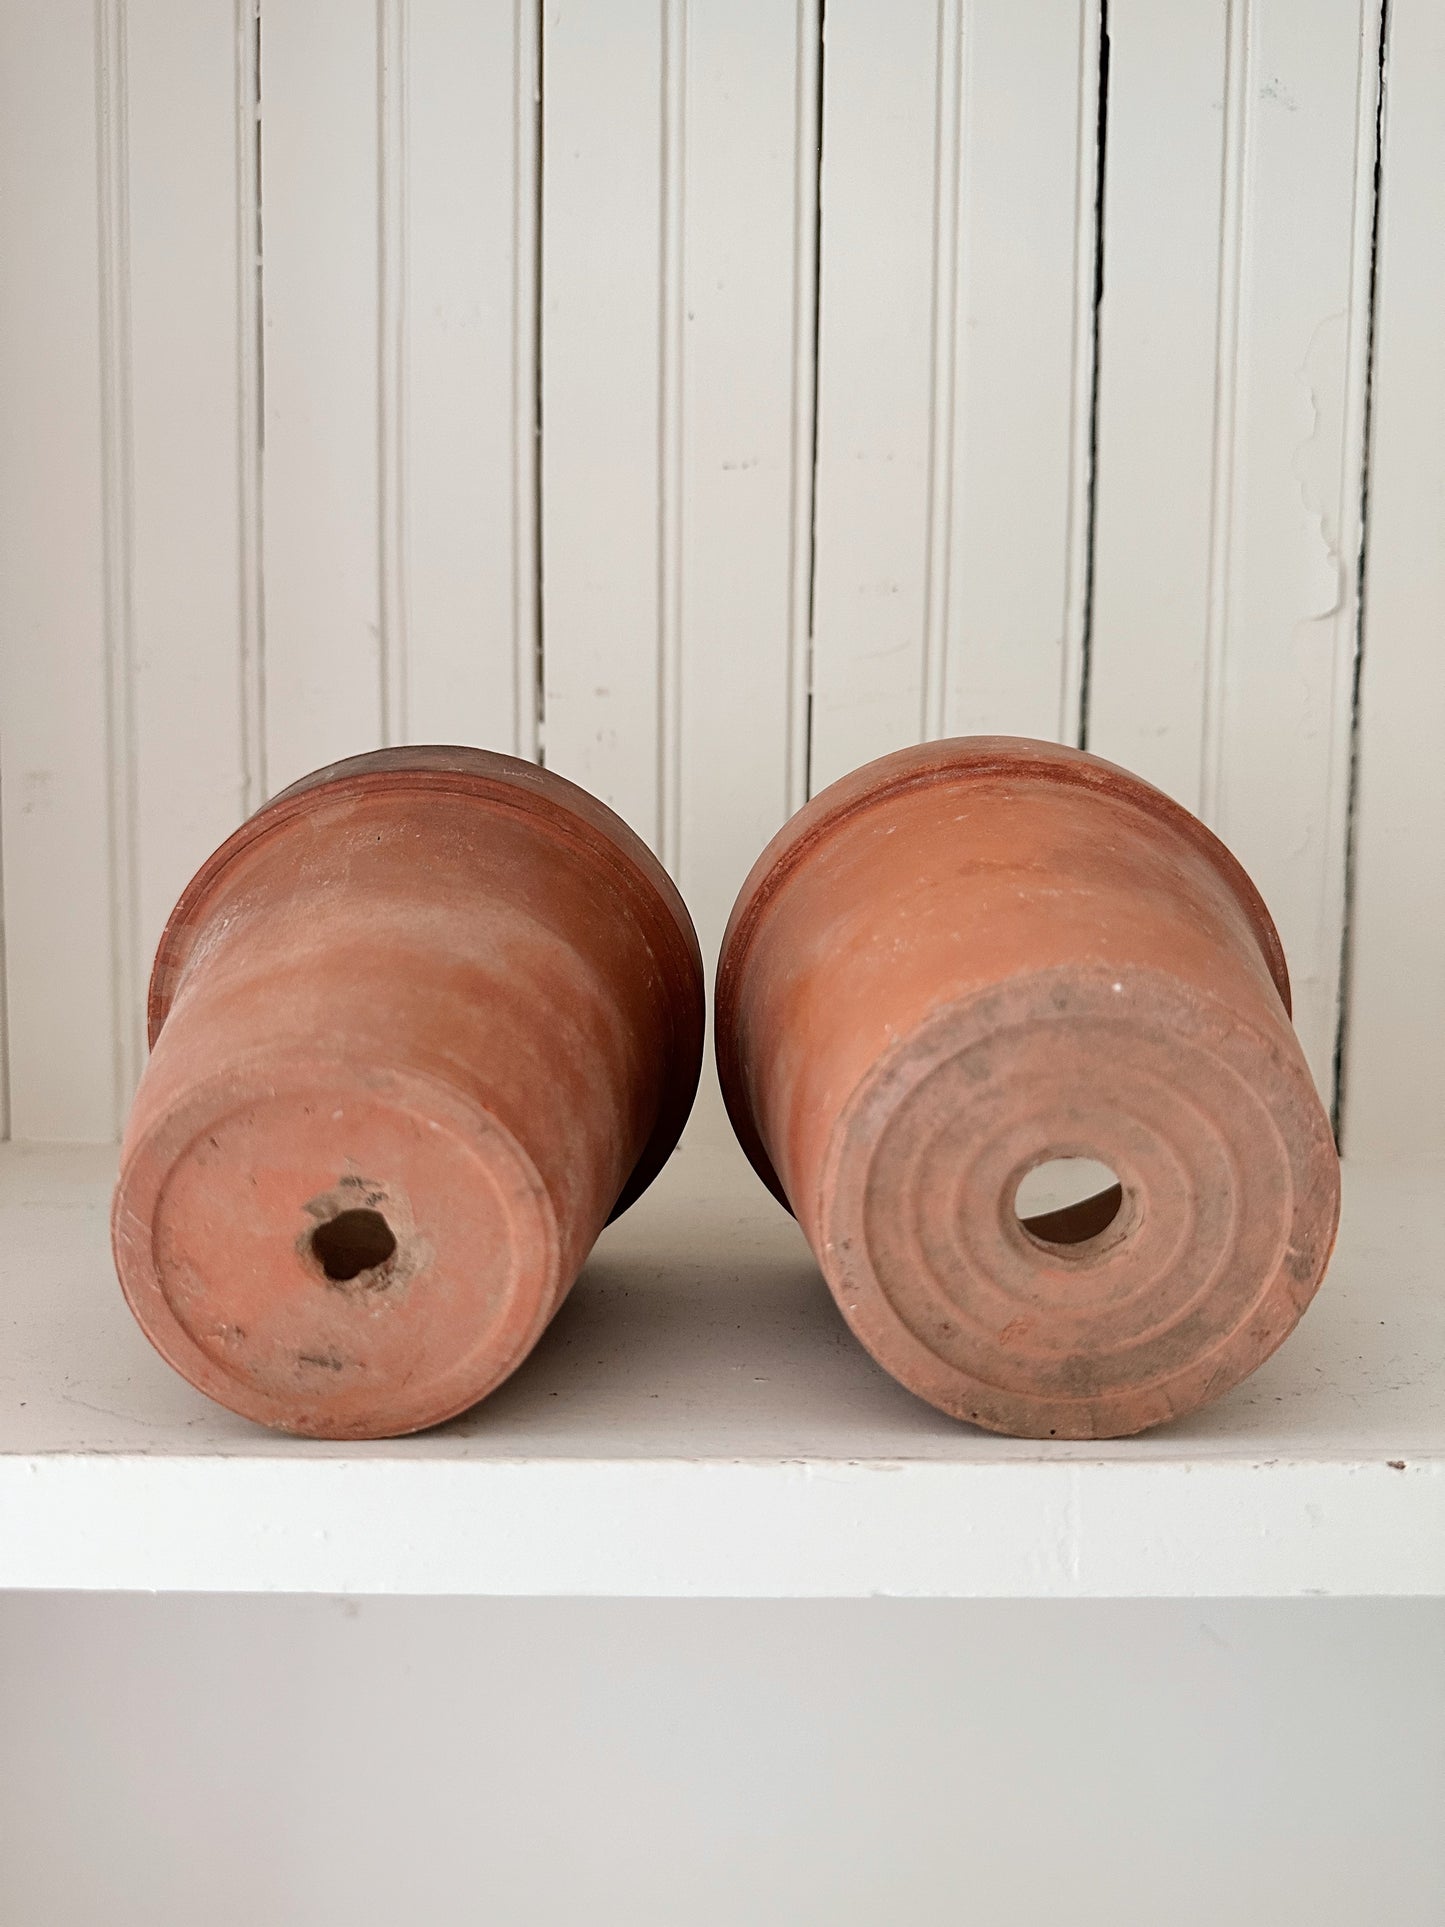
(1220, 1240)
(234, 1186)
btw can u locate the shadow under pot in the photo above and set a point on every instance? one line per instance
(418, 1029)
(977, 964)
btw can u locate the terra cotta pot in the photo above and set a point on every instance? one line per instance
(418, 1028)
(975, 956)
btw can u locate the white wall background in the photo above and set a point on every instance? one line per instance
(707, 395)
(706, 398)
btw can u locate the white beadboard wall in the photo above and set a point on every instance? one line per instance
(706, 396)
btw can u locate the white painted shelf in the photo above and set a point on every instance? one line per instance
(698, 1422)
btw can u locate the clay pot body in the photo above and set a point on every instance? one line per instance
(417, 1028)
(975, 956)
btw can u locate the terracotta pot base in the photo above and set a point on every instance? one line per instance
(1183, 1291)
(981, 955)
(340, 1168)
(418, 1028)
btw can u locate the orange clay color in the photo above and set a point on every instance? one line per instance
(418, 1029)
(975, 956)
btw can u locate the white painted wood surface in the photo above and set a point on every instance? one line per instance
(59, 574)
(188, 764)
(1019, 324)
(460, 348)
(1277, 782)
(326, 673)
(1166, 347)
(955, 373)
(1235, 316)
(883, 98)
(289, 279)
(699, 1422)
(739, 484)
(1395, 1064)
(608, 403)
(678, 265)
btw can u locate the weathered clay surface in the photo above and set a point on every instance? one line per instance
(417, 1029)
(972, 957)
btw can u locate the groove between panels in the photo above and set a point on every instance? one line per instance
(1226, 405)
(944, 344)
(391, 371)
(1359, 376)
(1077, 614)
(672, 294)
(1089, 269)
(250, 405)
(803, 432)
(117, 484)
(528, 642)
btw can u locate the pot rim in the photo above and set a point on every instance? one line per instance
(558, 807)
(921, 766)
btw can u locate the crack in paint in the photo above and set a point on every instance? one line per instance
(1314, 466)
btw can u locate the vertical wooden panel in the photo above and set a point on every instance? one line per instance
(677, 290)
(1262, 639)
(741, 509)
(321, 481)
(1278, 747)
(1171, 256)
(881, 76)
(955, 372)
(54, 682)
(603, 432)
(1395, 1057)
(188, 449)
(1022, 334)
(463, 165)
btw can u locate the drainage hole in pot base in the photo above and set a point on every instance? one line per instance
(1067, 1201)
(352, 1242)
